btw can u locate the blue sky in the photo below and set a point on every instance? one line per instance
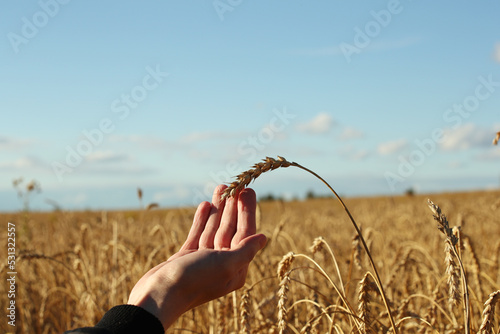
(100, 98)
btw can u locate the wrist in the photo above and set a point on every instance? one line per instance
(162, 301)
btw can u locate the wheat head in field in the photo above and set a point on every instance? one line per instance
(496, 139)
(388, 270)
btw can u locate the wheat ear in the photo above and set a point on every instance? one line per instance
(244, 312)
(452, 253)
(285, 264)
(489, 313)
(268, 164)
(282, 293)
(453, 275)
(364, 303)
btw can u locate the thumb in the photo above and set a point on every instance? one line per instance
(248, 247)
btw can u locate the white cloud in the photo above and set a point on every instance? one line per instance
(107, 156)
(270, 133)
(126, 139)
(195, 137)
(465, 137)
(392, 147)
(75, 199)
(321, 123)
(382, 45)
(181, 143)
(352, 153)
(176, 193)
(350, 133)
(78, 199)
(19, 163)
(375, 45)
(121, 170)
(496, 52)
(491, 154)
(9, 143)
(319, 51)
(144, 141)
(455, 164)
(25, 163)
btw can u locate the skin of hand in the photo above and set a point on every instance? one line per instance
(212, 262)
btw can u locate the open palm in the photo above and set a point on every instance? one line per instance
(211, 263)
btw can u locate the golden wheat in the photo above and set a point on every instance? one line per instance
(282, 294)
(364, 303)
(245, 312)
(454, 266)
(489, 313)
(54, 296)
(268, 164)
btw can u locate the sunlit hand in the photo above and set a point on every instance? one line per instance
(212, 262)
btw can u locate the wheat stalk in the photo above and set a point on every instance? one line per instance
(356, 252)
(317, 246)
(476, 266)
(269, 164)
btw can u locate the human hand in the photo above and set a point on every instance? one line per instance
(212, 262)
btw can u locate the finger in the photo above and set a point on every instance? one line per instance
(208, 235)
(248, 247)
(199, 222)
(246, 226)
(227, 227)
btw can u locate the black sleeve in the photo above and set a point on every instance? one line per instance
(124, 319)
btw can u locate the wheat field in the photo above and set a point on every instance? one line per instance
(312, 277)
